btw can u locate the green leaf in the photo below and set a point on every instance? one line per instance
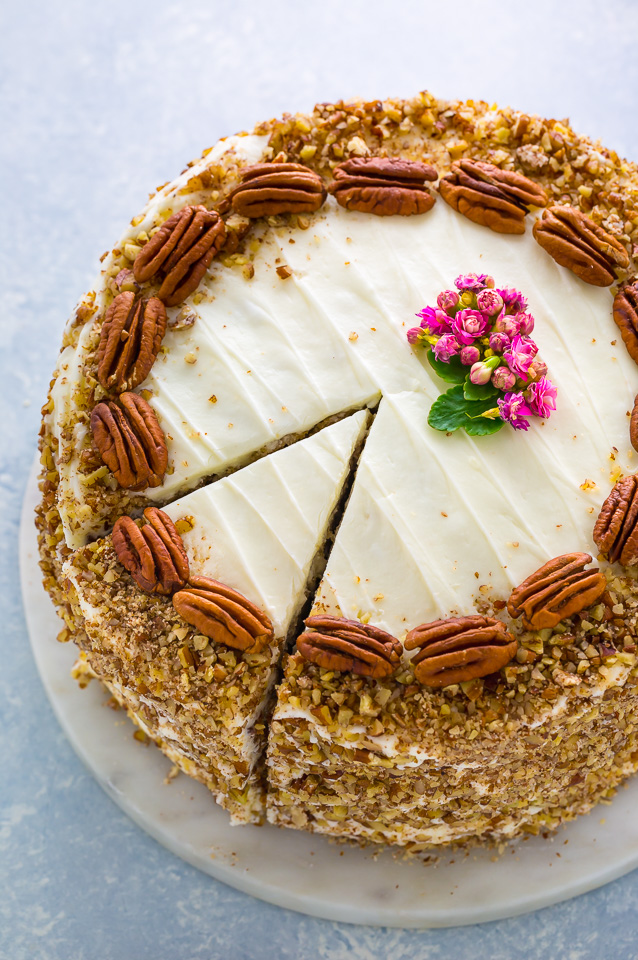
(452, 372)
(482, 427)
(476, 391)
(451, 411)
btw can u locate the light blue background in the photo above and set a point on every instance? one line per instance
(100, 103)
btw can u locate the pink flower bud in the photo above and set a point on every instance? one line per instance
(436, 321)
(525, 323)
(503, 378)
(473, 282)
(514, 410)
(447, 300)
(469, 325)
(480, 373)
(499, 342)
(446, 347)
(506, 325)
(537, 369)
(520, 354)
(489, 302)
(470, 355)
(541, 397)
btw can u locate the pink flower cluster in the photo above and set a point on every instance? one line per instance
(488, 330)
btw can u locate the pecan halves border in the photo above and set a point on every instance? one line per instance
(459, 649)
(181, 252)
(491, 197)
(625, 312)
(130, 441)
(153, 554)
(557, 590)
(574, 241)
(223, 614)
(130, 339)
(336, 643)
(269, 189)
(384, 186)
(616, 529)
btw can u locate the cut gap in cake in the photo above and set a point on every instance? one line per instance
(322, 557)
(258, 531)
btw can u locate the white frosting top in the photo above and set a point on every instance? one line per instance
(433, 518)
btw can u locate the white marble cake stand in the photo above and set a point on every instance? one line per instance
(297, 870)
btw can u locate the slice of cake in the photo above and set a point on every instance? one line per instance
(261, 532)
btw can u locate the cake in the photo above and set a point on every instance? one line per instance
(349, 597)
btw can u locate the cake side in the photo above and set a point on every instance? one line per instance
(391, 761)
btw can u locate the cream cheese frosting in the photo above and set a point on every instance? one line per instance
(435, 521)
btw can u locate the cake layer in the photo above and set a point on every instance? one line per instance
(261, 531)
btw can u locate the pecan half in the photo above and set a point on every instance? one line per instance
(558, 589)
(384, 186)
(633, 425)
(181, 252)
(130, 338)
(576, 242)
(223, 614)
(267, 189)
(626, 316)
(491, 197)
(459, 649)
(616, 529)
(339, 644)
(130, 441)
(153, 554)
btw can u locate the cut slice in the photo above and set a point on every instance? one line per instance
(263, 532)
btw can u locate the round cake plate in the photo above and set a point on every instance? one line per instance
(295, 869)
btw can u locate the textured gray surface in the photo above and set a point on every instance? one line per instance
(100, 102)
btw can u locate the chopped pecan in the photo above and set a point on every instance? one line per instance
(267, 189)
(616, 530)
(558, 589)
(626, 316)
(491, 197)
(223, 614)
(130, 338)
(153, 554)
(181, 252)
(459, 649)
(130, 441)
(384, 186)
(339, 644)
(576, 242)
